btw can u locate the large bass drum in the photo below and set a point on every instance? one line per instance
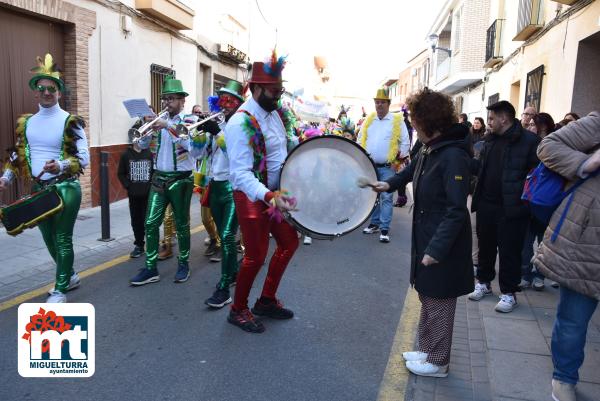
(322, 174)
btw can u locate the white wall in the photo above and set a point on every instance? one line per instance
(120, 70)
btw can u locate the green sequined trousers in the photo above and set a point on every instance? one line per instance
(57, 231)
(222, 208)
(179, 195)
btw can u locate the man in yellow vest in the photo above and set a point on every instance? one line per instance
(385, 137)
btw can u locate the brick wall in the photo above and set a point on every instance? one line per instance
(80, 23)
(475, 22)
(115, 189)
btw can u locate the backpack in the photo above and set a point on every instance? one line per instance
(544, 191)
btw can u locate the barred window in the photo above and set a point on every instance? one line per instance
(533, 90)
(158, 74)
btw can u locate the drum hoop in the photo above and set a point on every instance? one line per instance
(315, 234)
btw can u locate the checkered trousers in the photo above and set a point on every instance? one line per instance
(435, 328)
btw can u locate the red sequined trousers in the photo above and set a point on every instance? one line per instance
(256, 225)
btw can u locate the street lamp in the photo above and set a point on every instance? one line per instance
(433, 41)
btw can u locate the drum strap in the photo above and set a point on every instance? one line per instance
(256, 140)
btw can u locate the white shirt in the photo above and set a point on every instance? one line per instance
(241, 156)
(219, 168)
(380, 135)
(185, 153)
(44, 134)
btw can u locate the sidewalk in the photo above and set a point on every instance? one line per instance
(506, 356)
(26, 264)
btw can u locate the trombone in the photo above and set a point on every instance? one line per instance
(182, 129)
(141, 131)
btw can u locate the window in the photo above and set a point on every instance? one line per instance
(157, 76)
(495, 98)
(533, 88)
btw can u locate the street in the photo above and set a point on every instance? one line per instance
(160, 342)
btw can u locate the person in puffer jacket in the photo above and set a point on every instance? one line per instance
(573, 259)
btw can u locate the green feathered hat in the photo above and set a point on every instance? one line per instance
(46, 69)
(233, 88)
(172, 86)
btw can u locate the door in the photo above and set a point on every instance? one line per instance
(22, 39)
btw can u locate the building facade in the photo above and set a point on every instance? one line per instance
(110, 52)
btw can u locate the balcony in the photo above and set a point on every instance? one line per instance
(493, 42)
(530, 19)
(171, 12)
(443, 70)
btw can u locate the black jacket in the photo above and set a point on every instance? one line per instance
(441, 226)
(518, 159)
(135, 171)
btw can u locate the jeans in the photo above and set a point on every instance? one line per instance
(568, 336)
(382, 215)
(535, 231)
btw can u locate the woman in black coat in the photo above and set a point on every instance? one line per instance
(441, 264)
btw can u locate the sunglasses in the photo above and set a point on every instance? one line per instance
(171, 98)
(42, 88)
(274, 91)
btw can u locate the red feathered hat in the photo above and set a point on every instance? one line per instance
(268, 72)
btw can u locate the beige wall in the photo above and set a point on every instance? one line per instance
(559, 65)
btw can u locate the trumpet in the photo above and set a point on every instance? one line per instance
(182, 129)
(141, 131)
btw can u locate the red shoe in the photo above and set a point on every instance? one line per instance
(245, 321)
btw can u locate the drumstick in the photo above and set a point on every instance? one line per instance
(364, 182)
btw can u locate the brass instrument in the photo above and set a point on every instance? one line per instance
(141, 131)
(183, 130)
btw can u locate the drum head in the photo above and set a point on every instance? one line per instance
(322, 173)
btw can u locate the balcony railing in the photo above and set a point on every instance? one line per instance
(567, 2)
(530, 19)
(443, 70)
(493, 42)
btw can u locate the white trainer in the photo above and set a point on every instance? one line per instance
(525, 284)
(422, 368)
(481, 290)
(307, 240)
(74, 282)
(562, 391)
(56, 297)
(508, 302)
(538, 283)
(414, 356)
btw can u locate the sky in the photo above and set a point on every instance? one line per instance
(363, 45)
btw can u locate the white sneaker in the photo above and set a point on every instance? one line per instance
(422, 368)
(481, 290)
(538, 284)
(384, 236)
(307, 240)
(562, 391)
(207, 241)
(507, 303)
(525, 284)
(74, 282)
(414, 356)
(56, 297)
(554, 284)
(372, 228)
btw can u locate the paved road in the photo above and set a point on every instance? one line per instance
(160, 342)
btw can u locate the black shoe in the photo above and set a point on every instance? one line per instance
(245, 321)
(145, 276)
(219, 299)
(183, 272)
(137, 252)
(271, 308)
(212, 248)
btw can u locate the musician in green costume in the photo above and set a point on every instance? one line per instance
(52, 150)
(172, 183)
